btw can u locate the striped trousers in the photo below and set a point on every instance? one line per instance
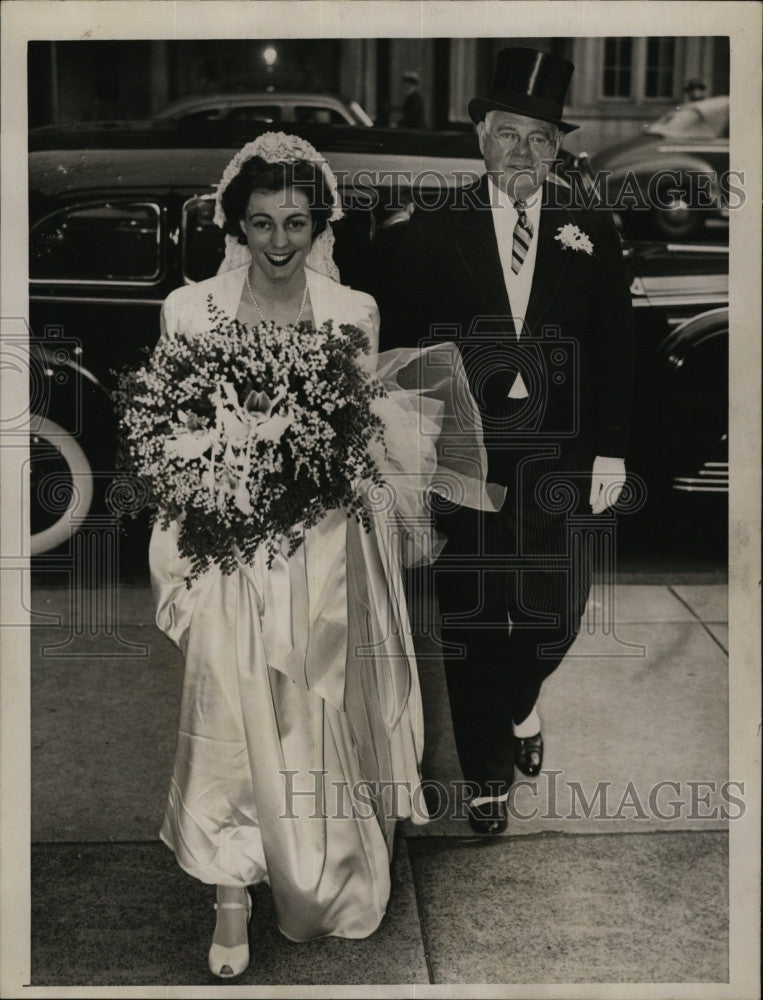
(512, 588)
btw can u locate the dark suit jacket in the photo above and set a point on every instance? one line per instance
(413, 111)
(576, 349)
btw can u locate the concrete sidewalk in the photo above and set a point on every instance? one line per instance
(607, 873)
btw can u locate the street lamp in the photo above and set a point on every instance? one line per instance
(269, 55)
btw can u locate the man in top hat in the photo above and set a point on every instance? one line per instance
(534, 290)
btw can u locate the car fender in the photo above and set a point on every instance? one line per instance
(646, 181)
(690, 336)
(66, 391)
(692, 403)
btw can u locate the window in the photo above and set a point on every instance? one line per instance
(618, 53)
(255, 113)
(660, 59)
(644, 68)
(106, 241)
(203, 241)
(314, 115)
(203, 115)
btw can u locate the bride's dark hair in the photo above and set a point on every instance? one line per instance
(257, 174)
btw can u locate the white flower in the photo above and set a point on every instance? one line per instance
(571, 237)
(241, 497)
(188, 445)
(272, 429)
(226, 451)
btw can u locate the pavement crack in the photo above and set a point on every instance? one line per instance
(696, 617)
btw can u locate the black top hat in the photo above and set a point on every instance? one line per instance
(528, 82)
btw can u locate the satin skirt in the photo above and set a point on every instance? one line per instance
(300, 733)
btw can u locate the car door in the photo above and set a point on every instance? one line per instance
(99, 269)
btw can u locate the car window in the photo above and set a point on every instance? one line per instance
(203, 241)
(106, 241)
(307, 114)
(701, 120)
(255, 113)
(202, 115)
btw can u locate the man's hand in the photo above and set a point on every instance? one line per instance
(607, 481)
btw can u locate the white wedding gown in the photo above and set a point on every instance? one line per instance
(300, 695)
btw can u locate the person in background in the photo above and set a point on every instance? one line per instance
(695, 90)
(413, 102)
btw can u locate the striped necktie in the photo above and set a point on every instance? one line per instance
(523, 234)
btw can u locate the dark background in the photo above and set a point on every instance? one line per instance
(618, 84)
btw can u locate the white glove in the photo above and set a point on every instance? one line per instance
(607, 481)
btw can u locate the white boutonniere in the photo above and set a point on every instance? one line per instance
(571, 237)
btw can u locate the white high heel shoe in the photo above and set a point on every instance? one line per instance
(227, 962)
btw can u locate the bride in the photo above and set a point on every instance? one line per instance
(300, 696)
(300, 733)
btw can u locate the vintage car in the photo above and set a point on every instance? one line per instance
(120, 217)
(274, 107)
(669, 181)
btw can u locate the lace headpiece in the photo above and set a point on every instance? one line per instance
(278, 147)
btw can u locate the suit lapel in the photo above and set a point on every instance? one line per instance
(478, 248)
(550, 265)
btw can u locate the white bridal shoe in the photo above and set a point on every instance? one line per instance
(229, 962)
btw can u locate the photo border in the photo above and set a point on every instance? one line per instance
(148, 19)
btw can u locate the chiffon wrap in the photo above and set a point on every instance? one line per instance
(432, 444)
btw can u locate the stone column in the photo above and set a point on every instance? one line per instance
(462, 76)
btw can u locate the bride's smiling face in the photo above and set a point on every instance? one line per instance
(279, 232)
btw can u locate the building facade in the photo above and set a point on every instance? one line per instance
(620, 83)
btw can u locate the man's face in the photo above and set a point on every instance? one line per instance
(517, 151)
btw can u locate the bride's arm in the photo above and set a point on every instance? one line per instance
(175, 601)
(169, 316)
(368, 320)
(373, 334)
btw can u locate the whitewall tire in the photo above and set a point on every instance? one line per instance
(62, 485)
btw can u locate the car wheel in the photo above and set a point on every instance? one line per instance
(678, 222)
(62, 486)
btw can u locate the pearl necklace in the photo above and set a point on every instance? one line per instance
(257, 305)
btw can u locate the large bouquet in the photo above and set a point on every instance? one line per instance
(246, 435)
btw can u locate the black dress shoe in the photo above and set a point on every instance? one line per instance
(489, 819)
(528, 754)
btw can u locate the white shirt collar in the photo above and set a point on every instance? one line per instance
(503, 201)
